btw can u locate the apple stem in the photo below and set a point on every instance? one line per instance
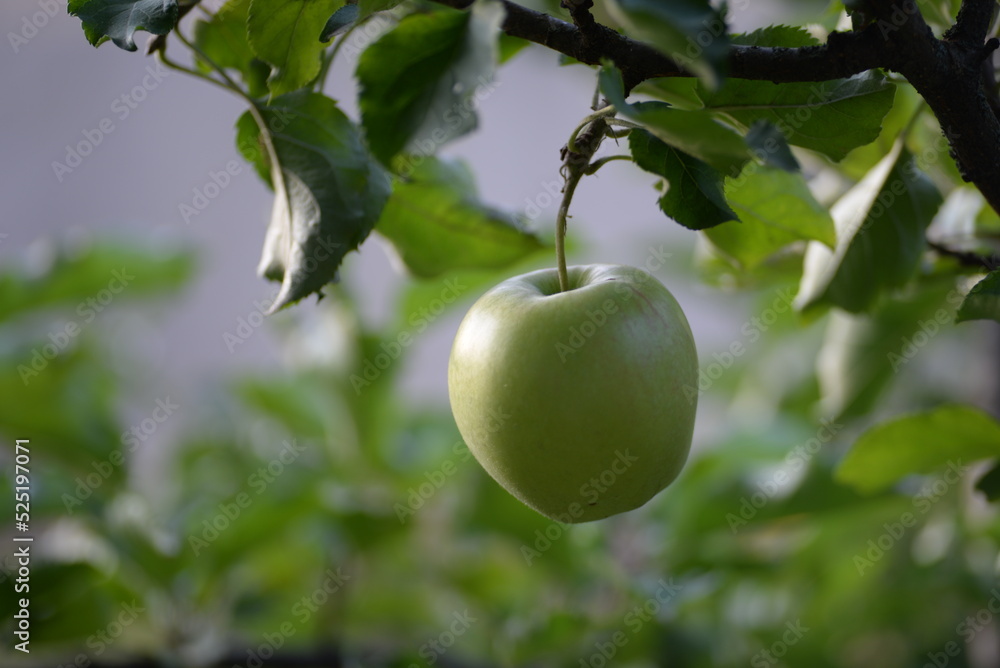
(577, 154)
(572, 179)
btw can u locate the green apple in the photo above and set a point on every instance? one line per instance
(579, 403)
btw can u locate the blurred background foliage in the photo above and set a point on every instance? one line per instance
(300, 516)
(317, 515)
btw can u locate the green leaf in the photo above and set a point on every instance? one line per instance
(770, 146)
(223, 38)
(74, 276)
(680, 30)
(950, 436)
(775, 208)
(437, 224)
(369, 7)
(832, 117)
(341, 20)
(694, 197)
(285, 34)
(693, 132)
(509, 46)
(686, 92)
(880, 237)
(328, 190)
(119, 19)
(680, 92)
(983, 301)
(420, 83)
(776, 35)
(940, 13)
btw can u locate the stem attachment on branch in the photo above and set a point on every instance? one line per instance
(576, 155)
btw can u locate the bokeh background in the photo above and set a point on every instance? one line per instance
(197, 501)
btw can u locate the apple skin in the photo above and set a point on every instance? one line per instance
(580, 403)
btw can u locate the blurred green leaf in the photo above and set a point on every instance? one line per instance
(87, 279)
(329, 195)
(880, 237)
(118, 20)
(421, 81)
(862, 353)
(437, 224)
(941, 13)
(694, 196)
(775, 208)
(983, 301)
(223, 38)
(693, 132)
(34, 384)
(950, 436)
(679, 30)
(286, 34)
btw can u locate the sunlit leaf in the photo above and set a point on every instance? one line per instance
(223, 38)
(437, 224)
(775, 208)
(880, 237)
(286, 34)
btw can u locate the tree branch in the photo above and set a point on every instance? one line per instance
(844, 55)
(973, 22)
(947, 72)
(966, 258)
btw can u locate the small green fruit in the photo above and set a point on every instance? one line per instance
(580, 403)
